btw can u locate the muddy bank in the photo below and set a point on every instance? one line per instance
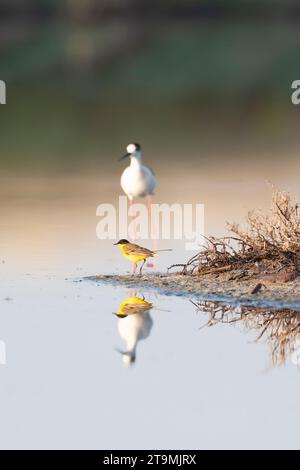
(276, 294)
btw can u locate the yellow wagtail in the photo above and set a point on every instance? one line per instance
(136, 253)
(132, 306)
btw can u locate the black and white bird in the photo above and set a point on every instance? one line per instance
(137, 180)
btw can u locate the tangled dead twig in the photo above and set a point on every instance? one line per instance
(271, 244)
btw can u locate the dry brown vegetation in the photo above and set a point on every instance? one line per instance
(280, 328)
(269, 246)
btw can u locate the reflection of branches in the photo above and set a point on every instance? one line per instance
(280, 328)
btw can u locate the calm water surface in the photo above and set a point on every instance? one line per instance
(64, 382)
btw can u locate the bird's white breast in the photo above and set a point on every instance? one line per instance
(134, 328)
(138, 181)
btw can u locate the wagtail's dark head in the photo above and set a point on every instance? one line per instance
(122, 242)
(119, 315)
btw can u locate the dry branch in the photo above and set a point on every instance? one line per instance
(269, 245)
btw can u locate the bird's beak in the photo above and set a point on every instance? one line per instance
(126, 353)
(120, 351)
(115, 243)
(118, 315)
(124, 156)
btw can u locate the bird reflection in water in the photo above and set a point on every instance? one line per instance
(134, 324)
(280, 328)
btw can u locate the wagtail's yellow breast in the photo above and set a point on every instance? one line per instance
(132, 256)
(134, 252)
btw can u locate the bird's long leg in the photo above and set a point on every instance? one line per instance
(144, 261)
(133, 215)
(151, 264)
(134, 265)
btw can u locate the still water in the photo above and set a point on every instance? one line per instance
(192, 376)
(65, 383)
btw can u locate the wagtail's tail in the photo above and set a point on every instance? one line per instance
(167, 249)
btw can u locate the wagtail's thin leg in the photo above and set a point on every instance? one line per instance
(133, 268)
(144, 261)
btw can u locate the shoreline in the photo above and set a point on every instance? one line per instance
(209, 287)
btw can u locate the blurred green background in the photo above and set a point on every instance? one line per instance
(207, 80)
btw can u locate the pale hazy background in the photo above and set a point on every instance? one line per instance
(205, 88)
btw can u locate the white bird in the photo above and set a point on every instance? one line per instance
(132, 329)
(137, 180)
(134, 324)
